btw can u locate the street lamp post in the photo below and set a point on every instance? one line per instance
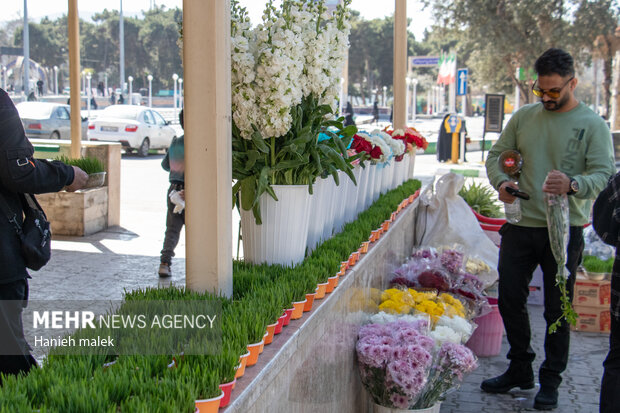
(88, 91)
(384, 95)
(414, 82)
(130, 79)
(180, 93)
(408, 83)
(150, 78)
(175, 77)
(56, 80)
(428, 102)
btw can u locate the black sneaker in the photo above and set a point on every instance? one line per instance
(546, 399)
(522, 377)
(164, 270)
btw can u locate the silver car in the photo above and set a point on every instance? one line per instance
(48, 120)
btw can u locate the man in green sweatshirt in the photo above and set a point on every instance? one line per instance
(566, 149)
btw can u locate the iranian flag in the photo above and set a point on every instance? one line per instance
(447, 69)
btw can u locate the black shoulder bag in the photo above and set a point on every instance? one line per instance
(34, 233)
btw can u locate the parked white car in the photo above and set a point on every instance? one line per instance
(47, 120)
(137, 128)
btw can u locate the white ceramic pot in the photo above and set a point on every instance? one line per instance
(330, 208)
(370, 186)
(362, 187)
(350, 206)
(281, 239)
(388, 176)
(411, 166)
(341, 195)
(318, 202)
(397, 177)
(376, 192)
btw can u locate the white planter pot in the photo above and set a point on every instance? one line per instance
(376, 192)
(411, 165)
(281, 239)
(330, 209)
(399, 172)
(405, 171)
(341, 195)
(370, 189)
(319, 201)
(362, 187)
(388, 175)
(380, 409)
(350, 207)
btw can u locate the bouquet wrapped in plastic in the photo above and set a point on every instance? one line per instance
(394, 360)
(443, 270)
(558, 228)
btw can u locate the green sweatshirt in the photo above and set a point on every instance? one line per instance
(577, 143)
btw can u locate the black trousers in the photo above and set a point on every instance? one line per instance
(174, 224)
(15, 354)
(610, 386)
(521, 250)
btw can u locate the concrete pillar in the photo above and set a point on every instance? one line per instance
(208, 152)
(400, 64)
(74, 79)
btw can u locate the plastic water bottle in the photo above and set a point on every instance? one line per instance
(513, 211)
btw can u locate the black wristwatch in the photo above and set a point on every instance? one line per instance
(574, 187)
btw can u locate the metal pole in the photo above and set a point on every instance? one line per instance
(105, 84)
(130, 78)
(26, 61)
(150, 78)
(121, 34)
(88, 76)
(175, 77)
(56, 80)
(429, 102)
(180, 103)
(415, 100)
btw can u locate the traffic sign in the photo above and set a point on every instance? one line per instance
(423, 61)
(461, 82)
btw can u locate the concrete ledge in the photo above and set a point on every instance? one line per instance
(310, 366)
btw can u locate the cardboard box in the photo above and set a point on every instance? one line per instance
(591, 293)
(592, 319)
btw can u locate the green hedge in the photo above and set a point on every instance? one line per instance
(104, 383)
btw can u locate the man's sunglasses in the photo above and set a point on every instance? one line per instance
(552, 93)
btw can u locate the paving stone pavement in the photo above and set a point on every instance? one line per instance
(579, 391)
(103, 265)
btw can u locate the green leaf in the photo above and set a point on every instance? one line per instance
(349, 130)
(248, 192)
(253, 155)
(259, 142)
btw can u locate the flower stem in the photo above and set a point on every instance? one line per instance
(273, 160)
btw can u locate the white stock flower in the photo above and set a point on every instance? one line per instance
(287, 57)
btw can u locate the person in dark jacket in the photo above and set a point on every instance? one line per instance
(348, 115)
(606, 223)
(20, 173)
(174, 162)
(375, 112)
